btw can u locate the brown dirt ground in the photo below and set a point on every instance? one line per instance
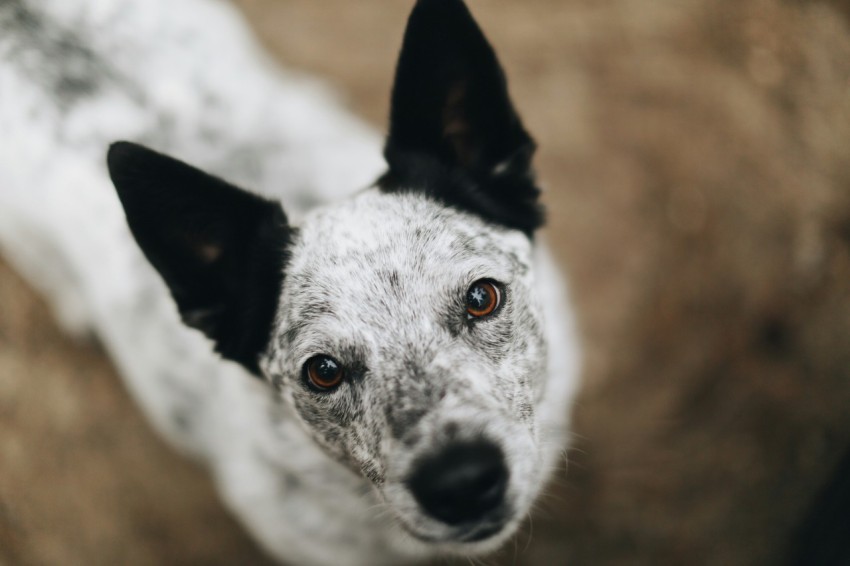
(697, 159)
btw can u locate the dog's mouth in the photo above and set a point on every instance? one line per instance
(479, 532)
(484, 531)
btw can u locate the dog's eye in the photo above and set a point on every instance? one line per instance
(323, 372)
(482, 298)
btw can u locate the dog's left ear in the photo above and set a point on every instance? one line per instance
(453, 130)
(220, 250)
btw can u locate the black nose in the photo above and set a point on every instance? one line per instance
(461, 483)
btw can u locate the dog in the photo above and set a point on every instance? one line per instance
(374, 358)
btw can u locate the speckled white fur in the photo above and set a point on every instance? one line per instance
(141, 70)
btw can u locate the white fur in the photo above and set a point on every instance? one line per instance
(283, 135)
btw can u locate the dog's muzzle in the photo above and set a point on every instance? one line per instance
(464, 486)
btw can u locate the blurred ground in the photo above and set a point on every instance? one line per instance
(697, 160)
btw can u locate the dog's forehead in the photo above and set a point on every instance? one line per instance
(401, 238)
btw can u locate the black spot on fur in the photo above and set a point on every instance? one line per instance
(526, 412)
(403, 420)
(181, 420)
(221, 250)
(372, 473)
(453, 321)
(291, 333)
(56, 57)
(314, 307)
(392, 278)
(412, 438)
(291, 482)
(454, 133)
(413, 393)
(494, 334)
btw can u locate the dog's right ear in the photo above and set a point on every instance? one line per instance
(220, 250)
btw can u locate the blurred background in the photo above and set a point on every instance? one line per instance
(696, 157)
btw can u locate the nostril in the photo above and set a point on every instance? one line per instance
(461, 483)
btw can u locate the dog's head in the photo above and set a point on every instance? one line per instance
(401, 326)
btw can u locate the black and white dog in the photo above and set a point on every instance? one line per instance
(394, 365)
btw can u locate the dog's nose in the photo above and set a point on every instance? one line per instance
(461, 483)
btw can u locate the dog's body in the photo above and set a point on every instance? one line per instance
(316, 478)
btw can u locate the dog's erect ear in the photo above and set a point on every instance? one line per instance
(221, 250)
(453, 130)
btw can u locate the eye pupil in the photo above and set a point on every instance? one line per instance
(482, 298)
(477, 297)
(327, 368)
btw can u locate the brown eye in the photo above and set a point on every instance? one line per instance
(323, 372)
(482, 298)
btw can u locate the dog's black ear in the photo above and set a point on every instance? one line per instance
(453, 130)
(221, 250)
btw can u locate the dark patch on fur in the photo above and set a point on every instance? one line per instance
(526, 411)
(334, 416)
(403, 421)
(314, 307)
(452, 123)
(372, 473)
(454, 316)
(221, 250)
(291, 333)
(454, 322)
(413, 394)
(181, 420)
(412, 438)
(56, 57)
(288, 481)
(493, 335)
(291, 482)
(392, 278)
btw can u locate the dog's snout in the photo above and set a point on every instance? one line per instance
(461, 483)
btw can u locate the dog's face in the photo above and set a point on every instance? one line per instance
(409, 341)
(401, 326)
